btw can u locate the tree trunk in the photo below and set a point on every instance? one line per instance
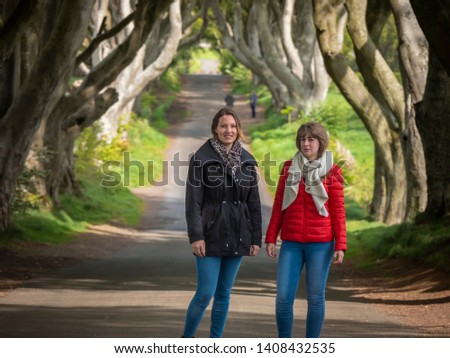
(280, 48)
(39, 93)
(321, 78)
(431, 118)
(297, 94)
(60, 136)
(387, 141)
(380, 79)
(55, 141)
(295, 63)
(434, 127)
(379, 190)
(413, 50)
(433, 17)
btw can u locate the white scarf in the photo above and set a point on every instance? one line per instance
(312, 171)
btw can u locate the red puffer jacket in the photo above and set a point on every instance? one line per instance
(301, 221)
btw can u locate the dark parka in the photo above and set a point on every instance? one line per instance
(222, 209)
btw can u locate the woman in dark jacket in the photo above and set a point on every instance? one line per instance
(223, 215)
(309, 214)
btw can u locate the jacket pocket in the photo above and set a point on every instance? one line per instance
(246, 227)
(213, 218)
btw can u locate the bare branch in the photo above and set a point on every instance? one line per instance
(102, 37)
(384, 80)
(102, 75)
(188, 41)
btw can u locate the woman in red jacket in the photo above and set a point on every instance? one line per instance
(309, 211)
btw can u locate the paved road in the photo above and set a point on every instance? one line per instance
(144, 289)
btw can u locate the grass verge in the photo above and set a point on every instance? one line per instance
(99, 203)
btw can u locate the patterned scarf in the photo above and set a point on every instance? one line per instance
(311, 171)
(232, 157)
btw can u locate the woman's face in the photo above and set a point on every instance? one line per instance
(227, 130)
(310, 147)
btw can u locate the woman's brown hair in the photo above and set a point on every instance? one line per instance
(314, 130)
(227, 111)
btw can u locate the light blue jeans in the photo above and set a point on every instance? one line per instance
(215, 278)
(316, 258)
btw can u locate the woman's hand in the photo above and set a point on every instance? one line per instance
(270, 249)
(338, 257)
(199, 248)
(254, 249)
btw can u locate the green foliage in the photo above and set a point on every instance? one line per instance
(26, 193)
(91, 149)
(133, 158)
(144, 163)
(241, 76)
(199, 54)
(159, 118)
(422, 243)
(118, 144)
(171, 80)
(148, 101)
(152, 108)
(180, 64)
(187, 59)
(102, 204)
(288, 111)
(229, 63)
(86, 148)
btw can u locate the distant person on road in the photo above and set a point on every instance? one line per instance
(309, 211)
(223, 215)
(253, 100)
(229, 100)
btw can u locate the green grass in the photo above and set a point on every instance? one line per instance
(425, 244)
(44, 227)
(100, 203)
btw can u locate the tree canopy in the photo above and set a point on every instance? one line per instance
(66, 64)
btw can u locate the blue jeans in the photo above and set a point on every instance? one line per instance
(316, 257)
(215, 278)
